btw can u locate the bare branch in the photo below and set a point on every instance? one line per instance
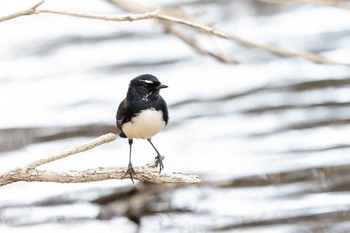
(130, 17)
(29, 11)
(206, 29)
(191, 42)
(170, 29)
(212, 31)
(270, 48)
(147, 173)
(81, 148)
(33, 10)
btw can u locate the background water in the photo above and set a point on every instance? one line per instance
(269, 137)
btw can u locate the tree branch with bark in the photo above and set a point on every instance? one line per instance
(146, 173)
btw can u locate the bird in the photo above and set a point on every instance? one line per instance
(142, 114)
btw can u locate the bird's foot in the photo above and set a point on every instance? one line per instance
(131, 172)
(160, 163)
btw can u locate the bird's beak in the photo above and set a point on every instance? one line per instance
(161, 86)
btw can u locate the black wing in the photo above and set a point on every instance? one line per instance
(120, 116)
(163, 106)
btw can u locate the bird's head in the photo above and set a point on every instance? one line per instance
(145, 87)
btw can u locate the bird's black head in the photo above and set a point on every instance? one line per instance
(144, 87)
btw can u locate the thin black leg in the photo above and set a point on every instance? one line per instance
(158, 157)
(130, 171)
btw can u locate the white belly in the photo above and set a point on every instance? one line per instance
(145, 125)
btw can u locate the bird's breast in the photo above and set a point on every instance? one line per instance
(144, 125)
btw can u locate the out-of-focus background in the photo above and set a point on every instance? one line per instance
(269, 137)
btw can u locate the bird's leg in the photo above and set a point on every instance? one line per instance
(130, 171)
(158, 157)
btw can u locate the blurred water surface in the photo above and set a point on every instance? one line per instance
(269, 136)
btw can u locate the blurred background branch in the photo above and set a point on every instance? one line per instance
(29, 11)
(332, 3)
(176, 16)
(169, 17)
(33, 10)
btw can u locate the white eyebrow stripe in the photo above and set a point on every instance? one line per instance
(146, 81)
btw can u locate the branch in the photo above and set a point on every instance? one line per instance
(33, 10)
(28, 11)
(163, 17)
(147, 173)
(81, 148)
(149, 14)
(212, 31)
(170, 29)
(130, 17)
(191, 42)
(270, 48)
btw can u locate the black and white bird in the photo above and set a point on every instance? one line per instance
(142, 114)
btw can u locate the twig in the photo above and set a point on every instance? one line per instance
(145, 173)
(28, 11)
(33, 10)
(271, 48)
(81, 148)
(130, 17)
(332, 3)
(209, 30)
(212, 31)
(141, 16)
(137, 8)
(191, 42)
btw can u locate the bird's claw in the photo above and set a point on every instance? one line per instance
(131, 172)
(159, 162)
